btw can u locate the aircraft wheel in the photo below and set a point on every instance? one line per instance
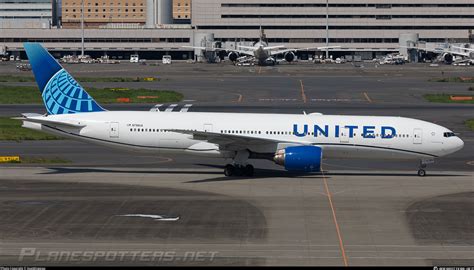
(239, 170)
(421, 172)
(249, 170)
(229, 170)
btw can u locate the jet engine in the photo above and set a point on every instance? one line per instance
(300, 158)
(448, 58)
(289, 56)
(233, 56)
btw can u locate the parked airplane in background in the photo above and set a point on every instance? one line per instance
(298, 142)
(261, 52)
(450, 54)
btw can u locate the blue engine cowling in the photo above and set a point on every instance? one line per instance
(300, 158)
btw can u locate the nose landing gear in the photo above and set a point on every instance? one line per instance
(423, 163)
(421, 172)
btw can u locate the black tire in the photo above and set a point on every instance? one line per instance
(229, 170)
(239, 170)
(421, 173)
(249, 170)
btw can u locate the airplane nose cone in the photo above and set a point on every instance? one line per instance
(458, 145)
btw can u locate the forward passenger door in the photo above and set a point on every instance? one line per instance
(417, 136)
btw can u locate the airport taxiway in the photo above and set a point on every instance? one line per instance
(340, 218)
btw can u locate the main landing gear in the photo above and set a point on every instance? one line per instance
(238, 170)
(240, 166)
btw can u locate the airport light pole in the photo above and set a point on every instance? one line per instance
(82, 28)
(327, 29)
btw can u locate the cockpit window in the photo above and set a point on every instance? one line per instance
(449, 134)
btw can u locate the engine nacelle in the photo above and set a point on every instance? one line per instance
(289, 56)
(448, 58)
(233, 56)
(300, 158)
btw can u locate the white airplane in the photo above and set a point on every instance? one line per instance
(298, 142)
(263, 54)
(448, 55)
(463, 48)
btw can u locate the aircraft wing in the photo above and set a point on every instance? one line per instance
(220, 49)
(462, 48)
(304, 49)
(246, 47)
(458, 53)
(274, 47)
(435, 50)
(233, 141)
(244, 52)
(265, 48)
(204, 48)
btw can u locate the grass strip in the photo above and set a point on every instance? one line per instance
(31, 95)
(13, 78)
(454, 79)
(470, 124)
(11, 130)
(446, 98)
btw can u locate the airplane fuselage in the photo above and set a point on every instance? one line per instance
(339, 136)
(261, 54)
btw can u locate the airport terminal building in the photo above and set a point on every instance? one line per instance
(366, 27)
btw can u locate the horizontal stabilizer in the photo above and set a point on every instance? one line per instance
(45, 121)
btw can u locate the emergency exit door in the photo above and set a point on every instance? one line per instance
(114, 130)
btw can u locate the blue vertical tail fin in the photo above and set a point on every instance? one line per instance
(60, 92)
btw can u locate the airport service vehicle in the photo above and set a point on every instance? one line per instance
(166, 59)
(298, 142)
(23, 67)
(134, 58)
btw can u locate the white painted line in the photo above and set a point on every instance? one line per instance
(186, 107)
(336, 99)
(171, 107)
(156, 108)
(278, 99)
(155, 217)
